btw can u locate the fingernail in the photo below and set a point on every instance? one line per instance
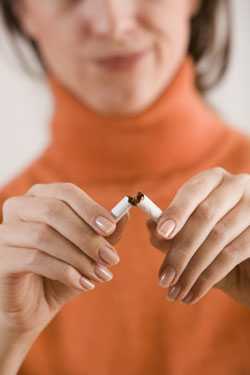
(108, 255)
(188, 298)
(103, 273)
(86, 283)
(166, 228)
(167, 277)
(174, 292)
(104, 224)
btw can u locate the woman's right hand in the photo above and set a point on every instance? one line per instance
(49, 241)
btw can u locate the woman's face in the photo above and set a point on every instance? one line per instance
(78, 38)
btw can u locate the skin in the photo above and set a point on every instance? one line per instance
(51, 250)
(49, 238)
(71, 34)
(209, 246)
(53, 224)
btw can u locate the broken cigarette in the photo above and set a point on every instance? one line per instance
(148, 206)
(121, 208)
(140, 200)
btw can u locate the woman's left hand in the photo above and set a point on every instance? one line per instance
(210, 244)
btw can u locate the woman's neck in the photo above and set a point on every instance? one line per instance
(173, 133)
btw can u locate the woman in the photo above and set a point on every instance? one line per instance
(129, 116)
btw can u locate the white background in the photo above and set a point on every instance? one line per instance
(25, 103)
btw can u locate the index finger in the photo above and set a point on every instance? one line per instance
(186, 200)
(95, 215)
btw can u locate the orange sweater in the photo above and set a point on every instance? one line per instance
(126, 326)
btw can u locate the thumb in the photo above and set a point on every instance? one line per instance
(231, 285)
(61, 294)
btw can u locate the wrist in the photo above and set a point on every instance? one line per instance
(14, 347)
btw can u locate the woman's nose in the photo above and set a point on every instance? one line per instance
(112, 18)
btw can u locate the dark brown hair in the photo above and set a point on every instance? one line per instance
(203, 47)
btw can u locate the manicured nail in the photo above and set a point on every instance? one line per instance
(104, 224)
(167, 228)
(86, 283)
(174, 292)
(167, 277)
(103, 273)
(188, 298)
(108, 255)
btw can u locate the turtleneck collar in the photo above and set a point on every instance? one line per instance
(176, 131)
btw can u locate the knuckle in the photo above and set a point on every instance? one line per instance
(34, 188)
(184, 243)
(69, 272)
(178, 259)
(66, 189)
(220, 171)
(204, 212)
(32, 258)
(204, 280)
(93, 251)
(194, 182)
(9, 203)
(52, 209)
(68, 186)
(40, 235)
(186, 280)
(230, 254)
(192, 187)
(90, 240)
(219, 231)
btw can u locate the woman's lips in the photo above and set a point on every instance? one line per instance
(121, 62)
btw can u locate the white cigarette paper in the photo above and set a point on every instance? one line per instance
(148, 206)
(121, 208)
(140, 200)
